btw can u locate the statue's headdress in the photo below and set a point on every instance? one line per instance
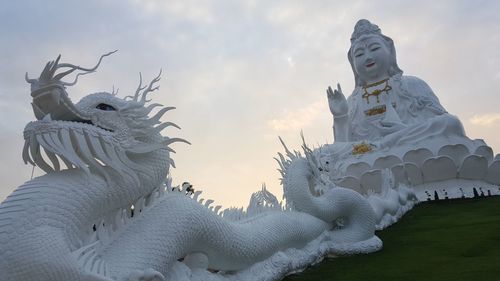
(365, 27)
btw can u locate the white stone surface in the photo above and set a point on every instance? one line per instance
(493, 174)
(417, 156)
(457, 152)
(474, 167)
(414, 174)
(438, 169)
(399, 173)
(485, 151)
(351, 183)
(372, 180)
(386, 162)
(357, 169)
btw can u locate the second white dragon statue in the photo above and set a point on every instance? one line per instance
(112, 214)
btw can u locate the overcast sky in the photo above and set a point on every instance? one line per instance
(242, 73)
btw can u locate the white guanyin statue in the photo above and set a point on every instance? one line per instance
(386, 107)
(393, 131)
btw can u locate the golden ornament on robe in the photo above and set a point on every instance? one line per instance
(361, 148)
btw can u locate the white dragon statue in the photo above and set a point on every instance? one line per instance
(111, 214)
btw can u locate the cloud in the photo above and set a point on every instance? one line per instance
(485, 119)
(195, 11)
(297, 119)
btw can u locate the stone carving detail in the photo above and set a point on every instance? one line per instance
(357, 169)
(417, 156)
(352, 183)
(372, 180)
(486, 152)
(399, 173)
(386, 162)
(492, 175)
(438, 169)
(456, 152)
(474, 167)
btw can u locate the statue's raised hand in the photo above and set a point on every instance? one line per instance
(336, 101)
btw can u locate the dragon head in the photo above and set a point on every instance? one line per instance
(99, 133)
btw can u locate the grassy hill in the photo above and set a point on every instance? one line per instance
(453, 240)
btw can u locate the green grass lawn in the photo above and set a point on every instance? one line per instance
(454, 240)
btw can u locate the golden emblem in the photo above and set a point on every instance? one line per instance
(361, 148)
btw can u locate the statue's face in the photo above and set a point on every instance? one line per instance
(371, 58)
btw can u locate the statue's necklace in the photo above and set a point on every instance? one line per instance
(376, 92)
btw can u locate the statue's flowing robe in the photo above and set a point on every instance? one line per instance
(412, 112)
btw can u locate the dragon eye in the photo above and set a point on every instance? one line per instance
(105, 107)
